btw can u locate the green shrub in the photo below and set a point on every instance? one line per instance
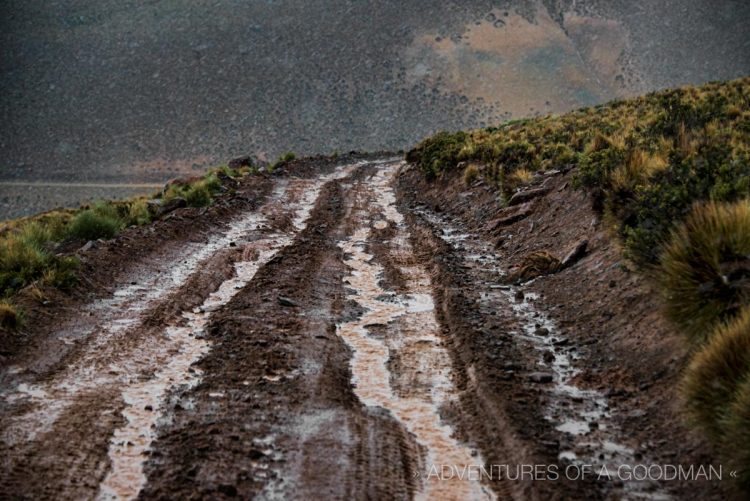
(21, 262)
(287, 157)
(705, 269)
(438, 153)
(714, 374)
(198, 194)
(62, 274)
(102, 221)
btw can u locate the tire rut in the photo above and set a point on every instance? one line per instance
(144, 347)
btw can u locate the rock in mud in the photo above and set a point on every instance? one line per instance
(525, 196)
(243, 161)
(506, 217)
(285, 301)
(228, 490)
(576, 254)
(171, 205)
(540, 377)
(89, 245)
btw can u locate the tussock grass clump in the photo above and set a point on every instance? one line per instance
(706, 267)
(471, 174)
(736, 443)
(715, 373)
(10, 318)
(23, 259)
(100, 221)
(138, 213)
(197, 193)
(520, 177)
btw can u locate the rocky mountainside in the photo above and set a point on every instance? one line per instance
(134, 92)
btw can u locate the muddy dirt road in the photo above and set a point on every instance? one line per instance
(329, 334)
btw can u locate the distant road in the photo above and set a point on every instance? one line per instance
(53, 184)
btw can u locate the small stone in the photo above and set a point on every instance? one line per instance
(285, 301)
(540, 377)
(576, 254)
(89, 245)
(228, 490)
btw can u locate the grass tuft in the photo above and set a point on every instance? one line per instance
(736, 443)
(101, 221)
(138, 213)
(471, 174)
(715, 373)
(10, 318)
(706, 267)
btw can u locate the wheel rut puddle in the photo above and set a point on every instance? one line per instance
(413, 332)
(583, 417)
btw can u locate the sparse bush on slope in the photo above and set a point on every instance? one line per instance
(471, 174)
(438, 153)
(706, 267)
(198, 193)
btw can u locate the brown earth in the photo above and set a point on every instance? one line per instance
(338, 329)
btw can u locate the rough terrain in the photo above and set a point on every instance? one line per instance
(344, 329)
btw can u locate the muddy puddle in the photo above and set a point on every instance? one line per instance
(403, 327)
(583, 417)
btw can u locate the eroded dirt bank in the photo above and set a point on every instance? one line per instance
(578, 366)
(344, 329)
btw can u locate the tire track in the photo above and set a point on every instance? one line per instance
(403, 326)
(138, 363)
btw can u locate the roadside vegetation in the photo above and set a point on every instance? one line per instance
(38, 251)
(670, 172)
(645, 161)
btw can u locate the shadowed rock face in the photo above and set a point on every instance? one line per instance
(138, 91)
